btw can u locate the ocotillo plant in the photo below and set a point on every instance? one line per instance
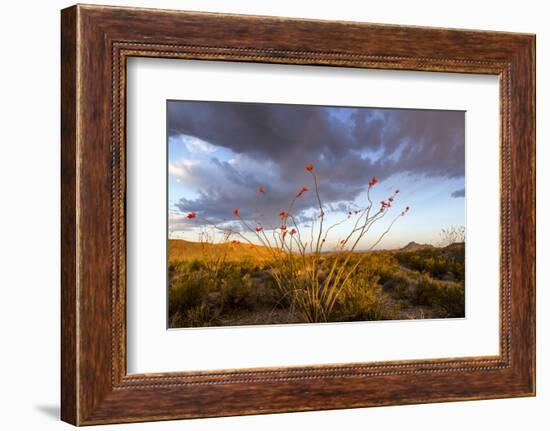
(297, 255)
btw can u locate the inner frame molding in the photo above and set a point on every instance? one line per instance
(96, 42)
(121, 52)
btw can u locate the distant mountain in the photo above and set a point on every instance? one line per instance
(413, 246)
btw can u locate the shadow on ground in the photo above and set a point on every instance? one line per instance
(52, 411)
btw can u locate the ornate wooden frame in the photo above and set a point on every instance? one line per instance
(95, 42)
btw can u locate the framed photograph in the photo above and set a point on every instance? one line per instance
(313, 242)
(267, 215)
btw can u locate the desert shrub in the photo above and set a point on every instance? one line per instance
(185, 267)
(439, 263)
(177, 268)
(195, 265)
(200, 315)
(188, 291)
(237, 290)
(452, 300)
(267, 293)
(176, 320)
(398, 285)
(197, 316)
(361, 299)
(449, 297)
(247, 263)
(382, 264)
(425, 292)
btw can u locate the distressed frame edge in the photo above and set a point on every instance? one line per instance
(69, 411)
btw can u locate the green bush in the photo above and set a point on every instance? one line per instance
(452, 300)
(188, 291)
(237, 290)
(439, 263)
(197, 316)
(447, 296)
(361, 299)
(195, 265)
(200, 315)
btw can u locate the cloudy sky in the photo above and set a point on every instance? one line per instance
(220, 154)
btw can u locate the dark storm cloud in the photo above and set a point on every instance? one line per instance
(217, 203)
(347, 147)
(458, 193)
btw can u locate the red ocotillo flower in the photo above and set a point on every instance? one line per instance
(308, 168)
(283, 215)
(373, 181)
(293, 231)
(302, 191)
(261, 189)
(284, 233)
(384, 205)
(236, 212)
(259, 229)
(397, 191)
(191, 215)
(390, 199)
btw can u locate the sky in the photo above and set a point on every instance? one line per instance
(221, 153)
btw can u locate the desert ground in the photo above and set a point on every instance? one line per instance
(230, 284)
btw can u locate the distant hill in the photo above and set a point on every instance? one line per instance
(455, 245)
(182, 250)
(414, 246)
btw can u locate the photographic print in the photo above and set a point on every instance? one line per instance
(287, 214)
